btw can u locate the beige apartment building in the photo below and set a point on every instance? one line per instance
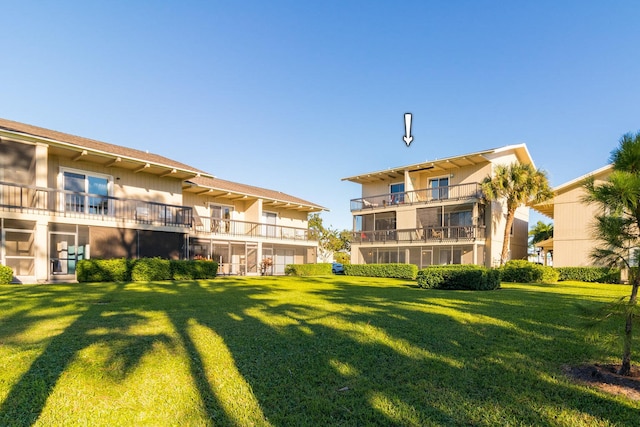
(64, 198)
(573, 222)
(434, 212)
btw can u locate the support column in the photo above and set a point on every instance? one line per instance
(41, 233)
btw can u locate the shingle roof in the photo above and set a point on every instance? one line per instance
(92, 144)
(202, 179)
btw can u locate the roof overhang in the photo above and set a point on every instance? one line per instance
(78, 153)
(547, 244)
(230, 195)
(445, 165)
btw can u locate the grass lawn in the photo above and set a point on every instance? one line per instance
(283, 351)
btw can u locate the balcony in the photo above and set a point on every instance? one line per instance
(47, 201)
(424, 196)
(417, 235)
(233, 228)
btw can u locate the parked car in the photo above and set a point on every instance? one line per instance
(337, 268)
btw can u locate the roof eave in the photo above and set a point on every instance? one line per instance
(83, 152)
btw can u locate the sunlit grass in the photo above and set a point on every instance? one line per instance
(275, 351)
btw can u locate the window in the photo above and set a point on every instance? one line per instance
(397, 193)
(221, 218)
(440, 188)
(269, 224)
(385, 221)
(86, 193)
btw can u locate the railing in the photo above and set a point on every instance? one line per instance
(37, 200)
(424, 196)
(227, 227)
(416, 235)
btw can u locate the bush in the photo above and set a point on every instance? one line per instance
(151, 269)
(6, 275)
(393, 270)
(193, 269)
(145, 269)
(469, 277)
(320, 269)
(590, 274)
(104, 270)
(522, 271)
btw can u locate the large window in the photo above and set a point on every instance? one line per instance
(377, 221)
(86, 193)
(455, 219)
(439, 188)
(397, 192)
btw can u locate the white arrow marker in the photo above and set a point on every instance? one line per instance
(407, 129)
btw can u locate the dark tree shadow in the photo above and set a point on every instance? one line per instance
(27, 397)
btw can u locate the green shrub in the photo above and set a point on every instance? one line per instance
(393, 270)
(470, 277)
(320, 269)
(6, 275)
(522, 271)
(104, 270)
(590, 274)
(193, 269)
(145, 269)
(151, 269)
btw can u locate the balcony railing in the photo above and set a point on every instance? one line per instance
(416, 235)
(226, 227)
(47, 201)
(424, 196)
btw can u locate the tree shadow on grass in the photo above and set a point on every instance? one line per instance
(340, 354)
(379, 356)
(28, 396)
(507, 334)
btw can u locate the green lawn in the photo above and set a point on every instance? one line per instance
(288, 351)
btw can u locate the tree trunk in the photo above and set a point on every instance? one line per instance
(625, 368)
(507, 237)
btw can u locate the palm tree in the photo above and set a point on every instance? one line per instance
(540, 232)
(617, 228)
(518, 184)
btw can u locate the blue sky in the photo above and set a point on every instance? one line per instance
(295, 95)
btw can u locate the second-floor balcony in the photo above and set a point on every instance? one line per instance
(69, 204)
(423, 196)
(235, 228)
(417, 235)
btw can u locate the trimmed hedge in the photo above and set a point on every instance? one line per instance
(144, 269)
(522, 271)
(393, 270)
(590, 274)
(193, 269)
(6, 275)
(463, 277)
(151, 269)
(320, 269)
(104, 270)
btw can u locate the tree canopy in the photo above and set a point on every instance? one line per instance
(517, 184)
(332, 243)
(617, 226)
(540, 232)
